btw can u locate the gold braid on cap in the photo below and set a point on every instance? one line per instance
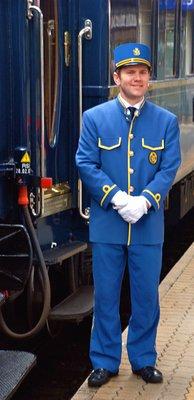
(133, 60)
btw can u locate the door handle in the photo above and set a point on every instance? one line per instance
(85, 33)
(30, 11)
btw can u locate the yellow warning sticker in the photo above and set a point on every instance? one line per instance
(25, 158)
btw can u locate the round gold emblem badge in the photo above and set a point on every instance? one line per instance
(153, 158)
(136, 51)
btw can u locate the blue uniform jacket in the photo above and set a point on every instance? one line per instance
(140, 157)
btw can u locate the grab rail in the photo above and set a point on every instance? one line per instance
(30, 10)
(85, 33)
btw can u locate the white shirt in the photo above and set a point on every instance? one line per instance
(126, 104)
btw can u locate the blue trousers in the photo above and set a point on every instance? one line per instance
(144, 264)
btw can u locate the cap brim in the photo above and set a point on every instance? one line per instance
(131, 64)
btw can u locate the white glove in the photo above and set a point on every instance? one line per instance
(134, 210)
(119, 200)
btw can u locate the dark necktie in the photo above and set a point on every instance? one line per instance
(130, 113)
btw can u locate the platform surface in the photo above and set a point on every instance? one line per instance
(175, 346)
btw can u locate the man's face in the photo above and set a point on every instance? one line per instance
(133, 82)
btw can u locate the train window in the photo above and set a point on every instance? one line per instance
(130, 21)
(123, 21)
(123, 25)
(51, 62)
(188, 36)
(169, 42)
(145, 21)
(166, 46)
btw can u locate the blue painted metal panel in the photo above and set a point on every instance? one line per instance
(95, 52)
(13, 93)
(5, 84)
(171, 4)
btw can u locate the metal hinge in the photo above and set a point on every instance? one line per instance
(29, 11)
(67, 48)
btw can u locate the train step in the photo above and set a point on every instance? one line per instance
(58, 254)
(14, 367)
(75, 307)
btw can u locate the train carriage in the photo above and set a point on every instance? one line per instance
(56, 62)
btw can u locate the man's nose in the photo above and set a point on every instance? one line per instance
(137, 76)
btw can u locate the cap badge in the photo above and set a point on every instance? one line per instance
(153, 158)
(136, 51)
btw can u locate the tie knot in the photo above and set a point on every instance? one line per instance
(130, 113)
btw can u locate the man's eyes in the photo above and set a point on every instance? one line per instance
(134, 72)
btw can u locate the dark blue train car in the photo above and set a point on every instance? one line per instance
(56, 61)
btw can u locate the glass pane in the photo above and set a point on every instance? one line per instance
(166, 37)
(123, 22)
(145, 21)
(51, 63)
(130, 21)
(188, 31)
(169, 46)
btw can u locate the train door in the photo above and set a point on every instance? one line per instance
(51, 151)
(74, 80)
(63, 26)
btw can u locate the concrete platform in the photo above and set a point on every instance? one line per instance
(175, 345)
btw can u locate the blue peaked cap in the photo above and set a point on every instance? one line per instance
(132, 54)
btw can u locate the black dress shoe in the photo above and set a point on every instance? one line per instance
(100, 376)
(149, 374)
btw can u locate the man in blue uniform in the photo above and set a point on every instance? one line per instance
(127, 157)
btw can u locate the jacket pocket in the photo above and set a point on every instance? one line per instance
(109, 143)
(153, 146)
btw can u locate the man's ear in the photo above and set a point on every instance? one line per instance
(116, 78)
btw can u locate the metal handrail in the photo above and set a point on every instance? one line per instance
(32, 8)
(86, 33)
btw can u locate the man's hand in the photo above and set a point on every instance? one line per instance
(130, 208)
(134, 209)
(119, 200)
